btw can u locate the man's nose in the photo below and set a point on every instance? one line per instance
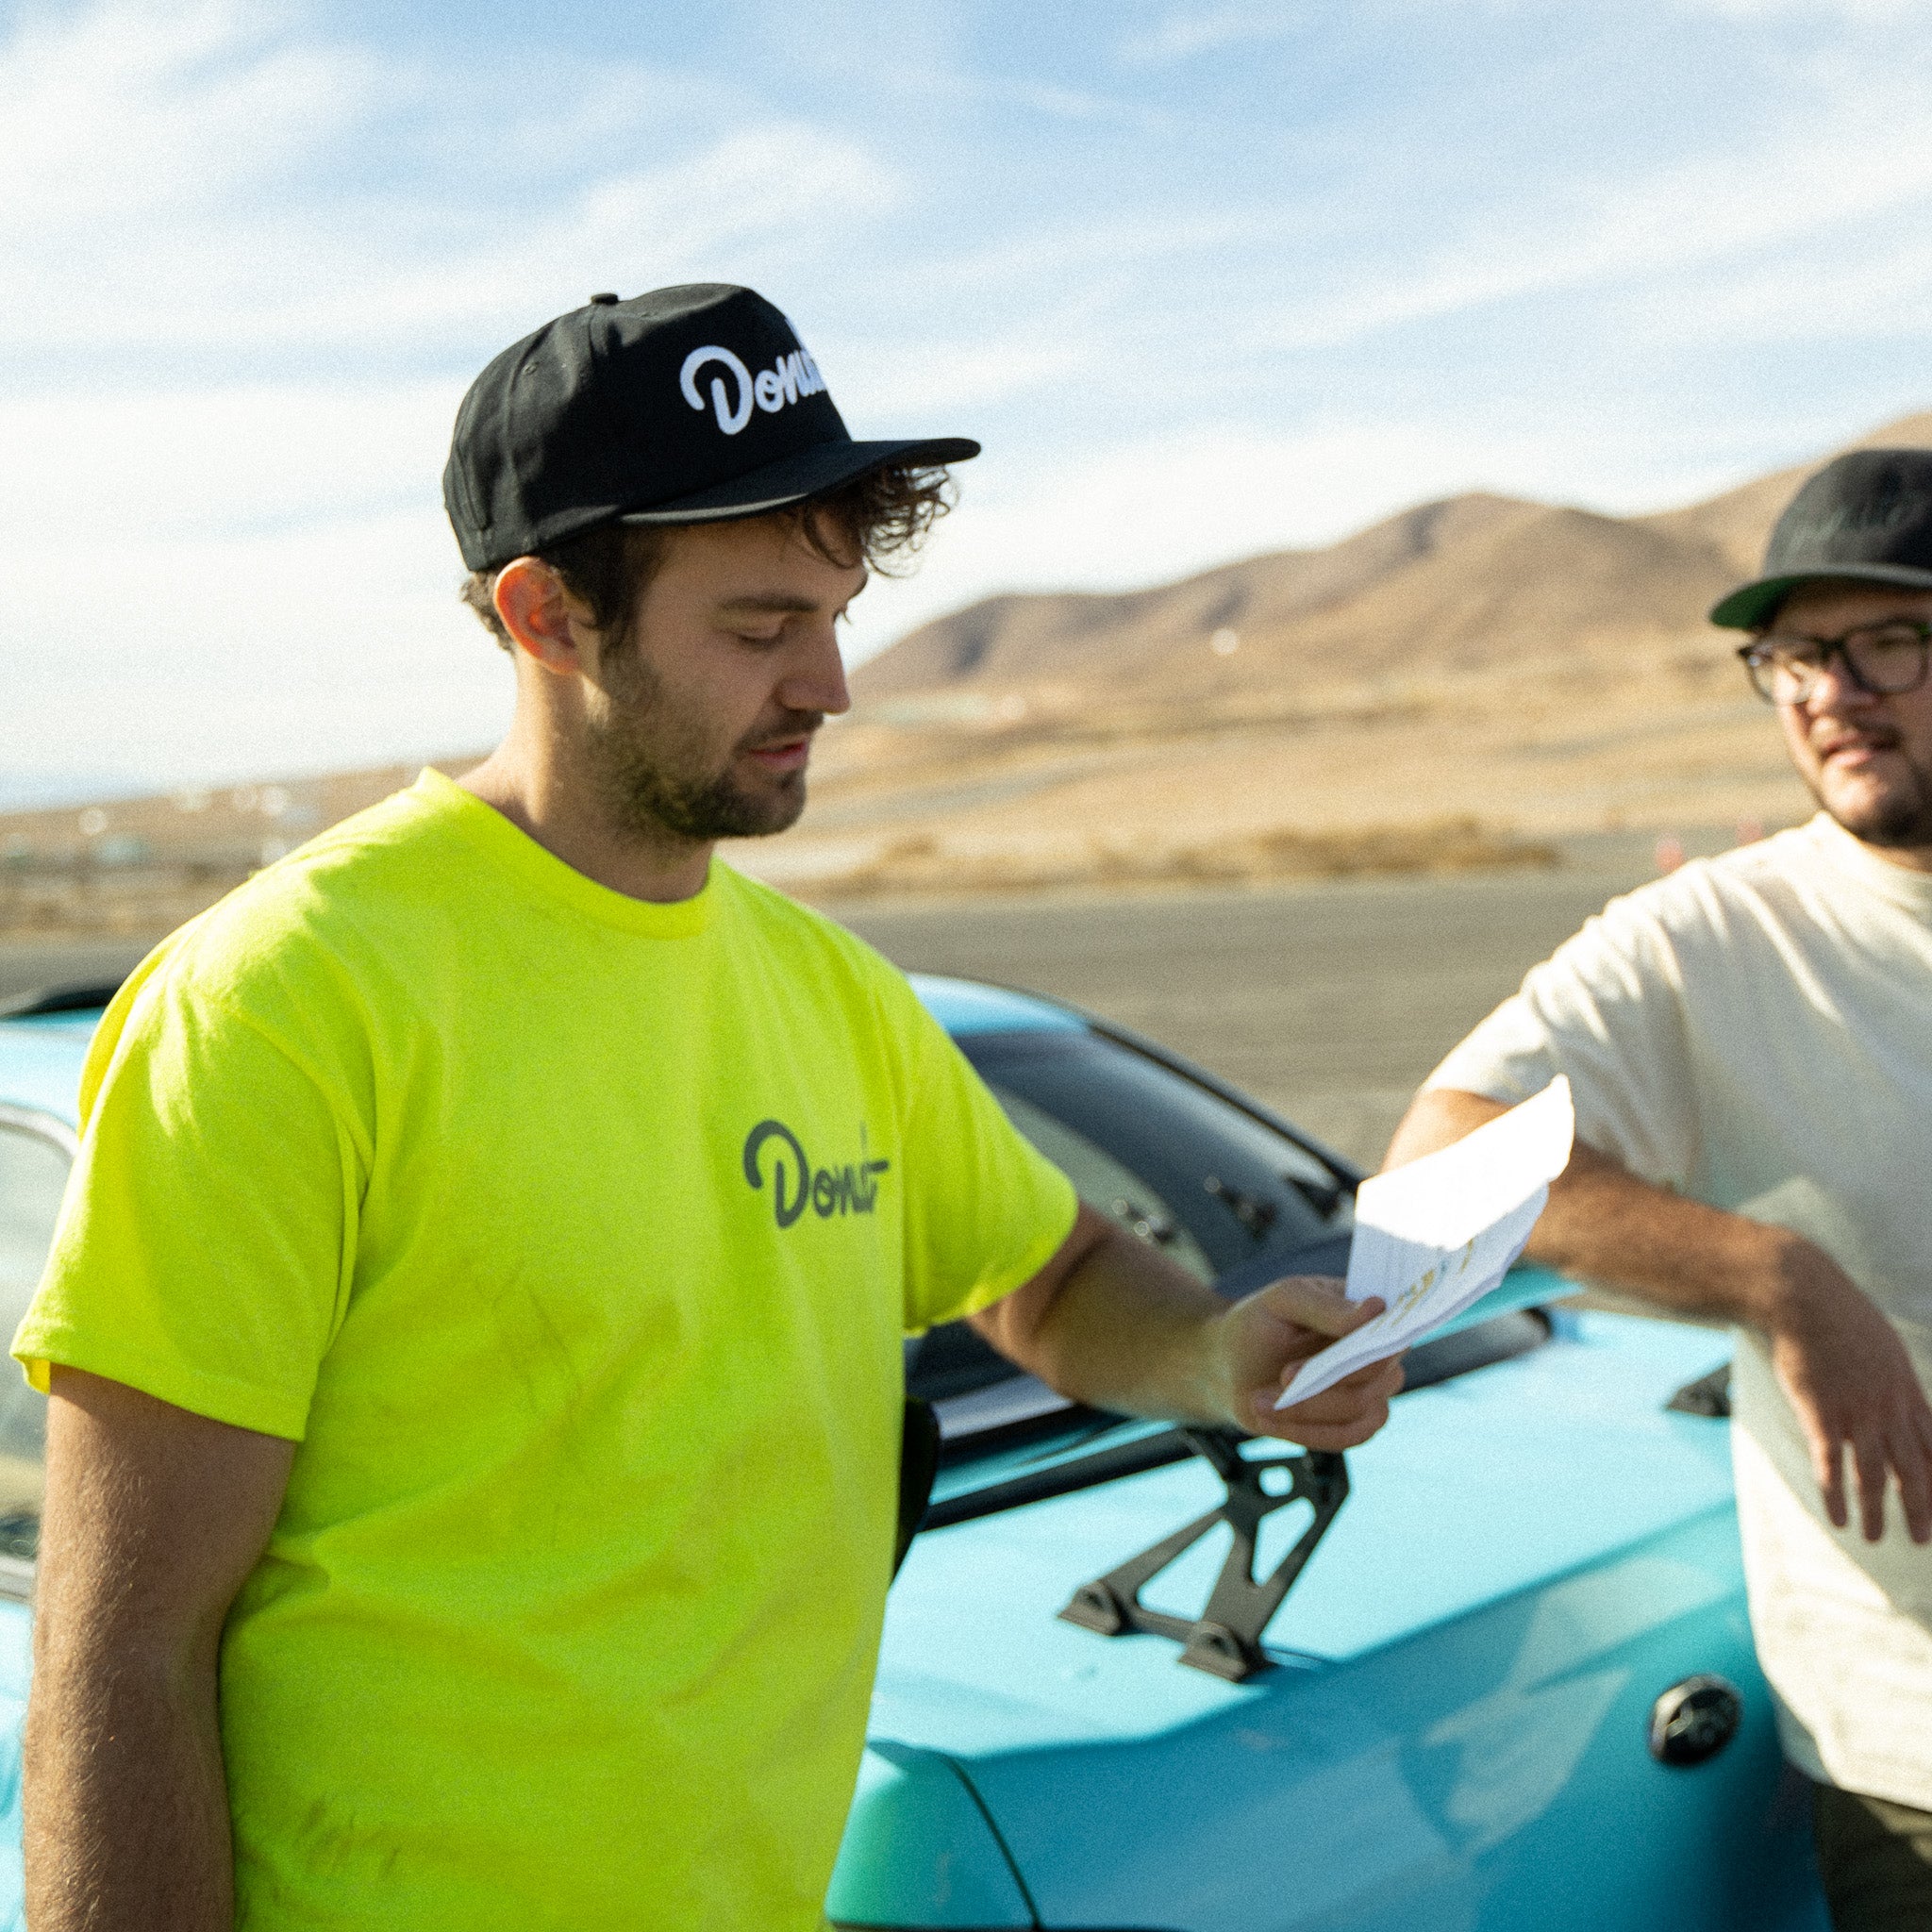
(1834, 689)
(815, 680)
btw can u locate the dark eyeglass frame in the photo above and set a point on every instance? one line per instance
(1759, 661)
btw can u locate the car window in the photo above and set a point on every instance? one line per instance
(1216, 1188)
(33, 1173)
(1099, 1178)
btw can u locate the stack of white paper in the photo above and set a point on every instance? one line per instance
(1437, 1235)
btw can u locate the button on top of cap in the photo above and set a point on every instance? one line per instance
(603, 301)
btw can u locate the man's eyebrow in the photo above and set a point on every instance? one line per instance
(778, 601)
(773, 600)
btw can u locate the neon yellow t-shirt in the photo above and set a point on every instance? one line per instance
(573, 1238)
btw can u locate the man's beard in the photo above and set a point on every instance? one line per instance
(1899, 818)
(648, 768)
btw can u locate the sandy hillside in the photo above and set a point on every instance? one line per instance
(1467, 680)
(1459, 687)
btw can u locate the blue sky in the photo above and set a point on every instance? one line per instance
(1206, 281)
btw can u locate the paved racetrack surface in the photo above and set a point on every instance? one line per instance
(1330, 1000)
(33, 965)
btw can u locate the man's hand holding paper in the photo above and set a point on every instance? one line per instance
(1438, 1235)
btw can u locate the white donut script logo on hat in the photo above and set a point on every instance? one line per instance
(789, 378)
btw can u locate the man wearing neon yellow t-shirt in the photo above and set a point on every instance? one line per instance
(474, 1335)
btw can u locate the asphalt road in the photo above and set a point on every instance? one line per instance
(1331, 1002)
(33, 965)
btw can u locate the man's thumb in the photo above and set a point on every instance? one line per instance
(1317, 1301)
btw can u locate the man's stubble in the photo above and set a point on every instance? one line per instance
(653, 773)
(1899, 818)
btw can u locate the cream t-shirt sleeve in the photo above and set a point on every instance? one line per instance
(1607, 1010)
(204, 1250)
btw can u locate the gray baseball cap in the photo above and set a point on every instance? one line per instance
(1865, 518)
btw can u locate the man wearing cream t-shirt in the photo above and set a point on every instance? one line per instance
(1749, 1042)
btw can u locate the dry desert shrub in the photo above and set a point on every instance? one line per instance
(920, 864)
(83, 903)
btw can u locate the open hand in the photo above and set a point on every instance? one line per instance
(1267, 1336)
(1851, 1383)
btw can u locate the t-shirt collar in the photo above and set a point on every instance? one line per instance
(1906, 887)
(514, 851)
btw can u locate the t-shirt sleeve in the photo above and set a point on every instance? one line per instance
(985, 1210)
(203, 1254)
(1607, 1010)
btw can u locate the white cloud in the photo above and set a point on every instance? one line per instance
(886, 382)
(127, 110)
(1858, 12)
(1182, 35)
(336, 645)
(253, 571)
(186, 463)
(1852, 158)
(246, 265)
(160, 193)
(1837, 289)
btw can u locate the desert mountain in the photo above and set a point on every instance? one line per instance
(1542, 671)
(1467, 682)
(1472, 582)
(1019, 638)
(1736, 522)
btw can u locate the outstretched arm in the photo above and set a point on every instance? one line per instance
(1112, 1322)
(154, 1518)
(1840, 1362)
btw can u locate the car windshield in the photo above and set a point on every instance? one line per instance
(1232, 1199)
(33, 1173)
(1225, 1193)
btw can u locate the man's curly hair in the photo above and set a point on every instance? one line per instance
(878, 519)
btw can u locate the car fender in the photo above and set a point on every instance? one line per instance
(958, 1872)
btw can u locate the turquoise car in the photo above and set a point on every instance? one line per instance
(1490, 1671)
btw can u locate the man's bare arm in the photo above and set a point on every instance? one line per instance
(1839, 1361)
(1112, 1322)
(154, 1518)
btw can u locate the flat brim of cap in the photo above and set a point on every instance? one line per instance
(1753, 606)
(798, 478)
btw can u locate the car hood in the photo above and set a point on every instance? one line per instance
(40, 1060)
(1479, 1488)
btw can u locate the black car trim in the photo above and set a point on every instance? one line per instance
(1501, 1339)
(1020, 1407)
(1061, 1479)
(1225, 1640)
(82, 998)
(1343, 1168)
(1708, 1396)
(919, 1463)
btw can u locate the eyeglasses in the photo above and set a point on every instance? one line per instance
(1882, 660)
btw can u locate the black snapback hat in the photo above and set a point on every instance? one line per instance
(1866, 517)
(692, 404)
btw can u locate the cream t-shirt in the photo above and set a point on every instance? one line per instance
(1755, 1032)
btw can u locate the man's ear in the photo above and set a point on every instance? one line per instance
(539, 614)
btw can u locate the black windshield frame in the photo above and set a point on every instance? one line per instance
(1248, 1193)
(971, 1386)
